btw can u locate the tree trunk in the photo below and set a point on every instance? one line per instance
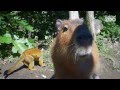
(73, 15)
(90, 22)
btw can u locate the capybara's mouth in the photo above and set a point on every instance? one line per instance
(82, 51)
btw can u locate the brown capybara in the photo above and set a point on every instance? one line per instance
(74, 52)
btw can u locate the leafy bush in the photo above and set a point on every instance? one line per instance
(13, 34)
(20, 30)
(111, 30)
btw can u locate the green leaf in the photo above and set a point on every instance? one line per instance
(29, 28)
(14, 50)
(19, 47)
(46, 37)
(30, 45)
(6, 38)
(23, 23)
(17, 17)
(16, 37)
(31, 40)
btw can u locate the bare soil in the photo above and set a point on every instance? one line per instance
(25, 73)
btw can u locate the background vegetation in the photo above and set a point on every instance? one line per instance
(20, 30)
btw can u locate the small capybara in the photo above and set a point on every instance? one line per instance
(74, 52)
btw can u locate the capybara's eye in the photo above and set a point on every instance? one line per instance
(65, 28)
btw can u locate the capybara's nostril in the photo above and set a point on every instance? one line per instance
(78, 39)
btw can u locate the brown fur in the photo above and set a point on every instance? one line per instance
(65, 65)
(28, 57)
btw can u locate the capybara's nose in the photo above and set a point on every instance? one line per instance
(83, 40)
(80, 41)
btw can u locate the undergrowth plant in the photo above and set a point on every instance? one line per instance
(110, 33)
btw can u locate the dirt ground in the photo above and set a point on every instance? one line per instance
(111, 64)
(25, 73)
(110, 68)
(46, 73)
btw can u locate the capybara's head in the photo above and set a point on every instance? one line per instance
(74, 36)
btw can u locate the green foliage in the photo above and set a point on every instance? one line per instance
(111, 30)
(25, 25)
(6, 38)
(102, 46)
(21, 45)
(19, 29)
(13, 32)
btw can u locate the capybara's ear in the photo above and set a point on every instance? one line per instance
(59, 24)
